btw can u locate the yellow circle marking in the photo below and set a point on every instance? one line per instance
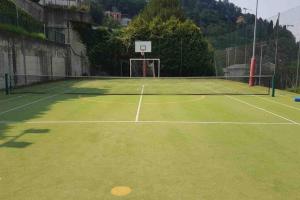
(121, 191)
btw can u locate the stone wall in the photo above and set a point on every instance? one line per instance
(28, 58)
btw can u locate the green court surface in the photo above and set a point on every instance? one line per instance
(164, 139)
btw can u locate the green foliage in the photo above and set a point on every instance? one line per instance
(129, 7)
(97, 12)
(8, 15)
(111, 23)
(165, 9)
(104, 48)
(180, 45)
(216, 17)
(21, 31)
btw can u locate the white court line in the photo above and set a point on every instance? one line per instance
(139, 106)
(251, 105)
(150, 122)
(272, 101)
(28, 104)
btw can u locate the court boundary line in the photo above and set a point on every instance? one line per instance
(137, 116)
(262, 109)
(275, 102)
(148, 122)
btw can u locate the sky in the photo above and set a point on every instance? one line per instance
(267, 8)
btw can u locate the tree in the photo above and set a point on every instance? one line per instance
(165, 9)
(128, 7)
(180, 45)
(97, 12)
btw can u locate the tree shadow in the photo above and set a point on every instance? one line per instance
(20, 111)
(13, 143)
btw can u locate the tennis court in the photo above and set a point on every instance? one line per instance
(197, 138)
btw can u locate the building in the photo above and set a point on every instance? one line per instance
(117, 16)
(243, 70)
(125, 21)
(64, 3)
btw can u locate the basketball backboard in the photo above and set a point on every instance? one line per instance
(143, 47)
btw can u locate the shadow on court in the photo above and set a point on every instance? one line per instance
(35, 102)
(16, 141)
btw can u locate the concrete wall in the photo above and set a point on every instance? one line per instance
(34, 9)
(60, 2)
(79, 61)
(27, 57)
(51, 15)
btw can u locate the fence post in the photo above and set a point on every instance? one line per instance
(273, 86)
(6, 85)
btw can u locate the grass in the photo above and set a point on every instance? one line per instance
(295, 90)
(63, 146)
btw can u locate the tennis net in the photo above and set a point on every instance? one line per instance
(95, 85)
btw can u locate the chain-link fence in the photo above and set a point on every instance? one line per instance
(277, 50)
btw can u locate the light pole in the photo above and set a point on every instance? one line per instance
(245, 26)
(253, 60)
(262, 45)
(298, 64)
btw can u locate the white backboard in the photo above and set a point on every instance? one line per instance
(143, 47)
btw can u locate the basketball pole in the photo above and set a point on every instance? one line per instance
(144, 65)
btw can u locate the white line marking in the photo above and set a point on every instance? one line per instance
(253, 106)
(272, 101)
(151, 122)
(28, 104)
(139, 106)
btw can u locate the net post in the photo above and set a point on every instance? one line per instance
(6, 84)
(158, 73)
(130, 70)
(273, 86)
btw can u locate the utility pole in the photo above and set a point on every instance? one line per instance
(253, 60)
